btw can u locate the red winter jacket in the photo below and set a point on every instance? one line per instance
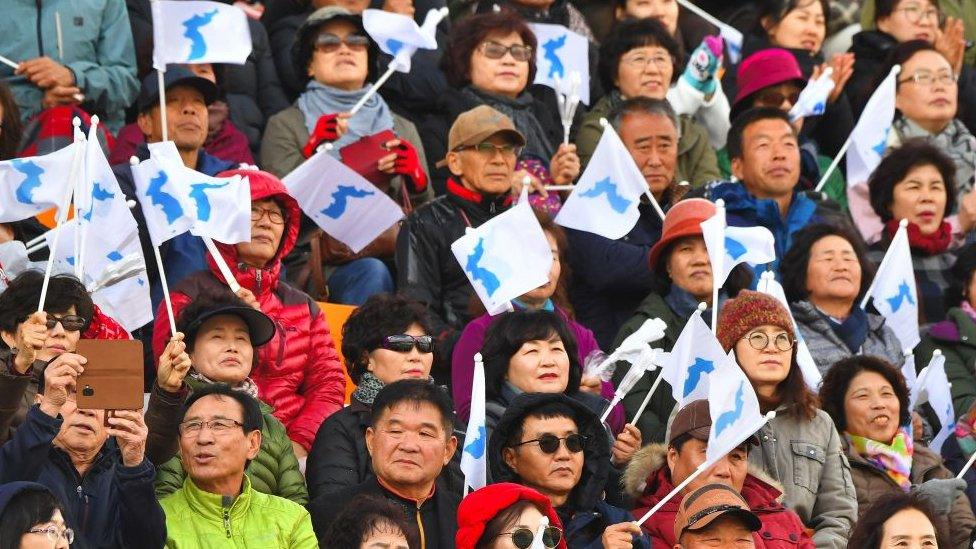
(781, 527)
(298, 372)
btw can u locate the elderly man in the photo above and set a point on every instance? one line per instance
(557, 446)
(613, 276)
(410, 442)
(714, 515)
(656, 469)
(483, 146)
(105, 485)
(217, 507)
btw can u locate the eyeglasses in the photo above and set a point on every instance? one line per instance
(494, 50)
(54, 534)
(522, 537)
(403, 343)
(642, 61)
(328, 42)
(219, 427)
(274, 216)
(926, 78)
(760, 340)
(488, 150)
(914, 14)
(549, 444)
(70, 323)
(775, 98)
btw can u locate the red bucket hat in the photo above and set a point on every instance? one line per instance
(766, 68)
(479, 507)
(683, 219)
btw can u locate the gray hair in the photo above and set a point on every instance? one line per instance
(644, 105)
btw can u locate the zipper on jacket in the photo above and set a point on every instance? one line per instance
(257, 278)
(85, 509)
(226, 503)
(40, 36)
(420, 527)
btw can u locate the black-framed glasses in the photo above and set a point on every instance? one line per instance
(403, 343)
(488, 150)
(926, 78)
(494, 50)
(914, 14)
(275, 216)
(522, 537)
(70, 323)
(54, 533)
(760, 340)
(328, 42)
(217, 426)
(549, 444)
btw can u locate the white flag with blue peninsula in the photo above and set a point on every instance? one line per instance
(811, 374)
(734, 408)
(474, 458)
(198, 31)
(730, 246)
(606, 198)
(813, 98)
(693, 359)
(161, 192)
(102, 203)
(932, 386)
(894, 293)
(221, 205)
(869, 140)
(341, 202)
(505, 257)
(400, 36)
(560, 52)
(32, 185)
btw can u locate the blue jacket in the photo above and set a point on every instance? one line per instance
(96, 44)
(111, 506)
(611, 277)
(584, 529)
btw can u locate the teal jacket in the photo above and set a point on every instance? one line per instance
(96, 44)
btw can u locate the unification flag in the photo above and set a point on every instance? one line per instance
(894, 292)
(474, 459)
(811, 374)
(734, 408)
(560, 52)
(505, 257)
(693, 359)
(399, 35)
(729, 246)
(161, 193)
(813, 98)
(733, 42)
(221, 206)
(933, 387)
(32, 185)
(341, 202)
(870, 136)
(606, 197)
(198, 31)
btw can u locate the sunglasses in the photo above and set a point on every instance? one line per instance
(775, 98)
(522, 537)
(549, 444)
(494, 50)
(403, 343)
(70, 323)
(328, 42)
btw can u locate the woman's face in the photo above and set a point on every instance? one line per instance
(927, 91)
(665, 11)
(920, 198)
(389, 366)
(336, 64)
(503, 75)
(540, 366)
(908, 529)
(871, 407)
(833, 272)
(803, 28)
(222, 349)
(41, 540)
(645, 72)
(911, 20)
(530, 518)
(58, 339)
(689, 267)
(767, 366)
(545, 291)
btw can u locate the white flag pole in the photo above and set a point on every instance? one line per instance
(968, 465)
(162, 275)
(675, 491)
(833, 164)
(161, 79)
(221, 264)
(8, 62)
(374, 88)
(647, 190)
(83, 227)
(702, 13)
(717, 269)
(884, 261)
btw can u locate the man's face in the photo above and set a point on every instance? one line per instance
(554, 475)
(727, 532)
(770, 163)
(731, 470)
(409, 445)
(215, 457)
(82, 430)
(652, 141)
(186, 118)
(267, 227)
(487, 171)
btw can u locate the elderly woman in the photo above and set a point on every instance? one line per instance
(639, 60)
(825, 274)
(385, 340)
(917, 182)
(800, 447)
(490, 60)
(218, 335)
(900, 520)
(506, 515)
(869, 403)
(683, 276)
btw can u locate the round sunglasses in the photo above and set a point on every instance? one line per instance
(403, 343)
(549, 444)
(522, 537)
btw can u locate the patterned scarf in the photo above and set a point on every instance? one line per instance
(369, 386)
(247, 386)
(319, 99)
(894, 459)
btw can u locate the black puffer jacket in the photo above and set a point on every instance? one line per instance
(339, 458)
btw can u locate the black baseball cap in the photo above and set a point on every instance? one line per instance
(260, 327)
(173, 77)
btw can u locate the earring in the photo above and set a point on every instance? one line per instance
(14, 351)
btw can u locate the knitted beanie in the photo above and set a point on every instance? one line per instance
(747, 311)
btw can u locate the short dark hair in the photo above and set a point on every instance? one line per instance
(630, 34)
(362, 517)
(25, 510)
(13, 128)
(679, 442)
(546, 411)
(796, 261)
(203, 303)
(510, 331)
(838, 378)
(960, 275)
(417, 392)
(380, 316)
(253, 420)
(884, 8)
(64, 291)
(468, 33)
(895, 166)
(748, 118)
(777, 10)
(502, 521)
(869, 530)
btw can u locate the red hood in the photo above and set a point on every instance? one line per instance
(263, 185)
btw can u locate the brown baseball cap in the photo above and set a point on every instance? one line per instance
(696, 420)
(701, 507)
(477, 125)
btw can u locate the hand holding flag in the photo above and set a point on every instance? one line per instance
(813, 98)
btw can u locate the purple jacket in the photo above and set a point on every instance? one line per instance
(473, 338)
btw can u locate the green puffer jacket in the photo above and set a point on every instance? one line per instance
(956, 338)
(274, 471)
(697, 163)
(253, 520)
